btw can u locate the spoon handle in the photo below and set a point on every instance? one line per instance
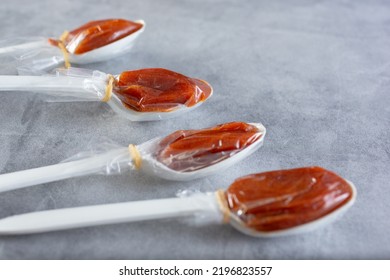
(78, 87)
(40, 83)
(68, 218)
(52, 173)
(23, 47)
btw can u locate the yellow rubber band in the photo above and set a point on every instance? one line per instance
(109, 86)
(64, 51)
(64, 35)
(135, 154)
(223, 205)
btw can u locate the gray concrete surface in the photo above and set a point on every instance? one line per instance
(315, 73)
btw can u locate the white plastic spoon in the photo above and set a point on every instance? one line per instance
(214, 206)
(84, 85)
(106, 52)
(123, 160)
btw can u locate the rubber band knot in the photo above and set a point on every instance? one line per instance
(223, 205)
(108, 91)
(136, 155)
(63, 49)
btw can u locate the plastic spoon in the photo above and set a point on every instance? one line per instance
(332, 193)
(182, 155)
(138, 95)
(109, 42)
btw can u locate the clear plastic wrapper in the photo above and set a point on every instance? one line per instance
(160, 90)
(189, 154)
(277, 203)
(96, 34)
(92, 42)
(292, 201)
(72, 84)
(211, 213)
(14, 52)
(139, 95)
(192, 156)
(39, 61)
(119, 162)
(183, 153)
(93, 85)
(266, 204)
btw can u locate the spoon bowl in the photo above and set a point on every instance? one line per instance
(108, 51)
(118, 107)
(152, 166)
(238, 224)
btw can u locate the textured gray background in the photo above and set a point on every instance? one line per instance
(315, 73)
